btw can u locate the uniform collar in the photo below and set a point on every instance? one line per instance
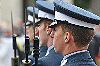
(65, 57)
(48, 51)
(43, 48)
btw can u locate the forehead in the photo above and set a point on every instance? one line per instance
(58, 26)
(41, 21)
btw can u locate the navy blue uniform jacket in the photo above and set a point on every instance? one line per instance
(43, 50)
(52, 59)
(80, 59)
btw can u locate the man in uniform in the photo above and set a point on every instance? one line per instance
(43, 49)
(95, 43)
(46, 17)
(73, 31)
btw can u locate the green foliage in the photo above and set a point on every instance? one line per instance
(85, 4)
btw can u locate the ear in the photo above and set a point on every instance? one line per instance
(48, 30)
(52, 34)
(67, 37)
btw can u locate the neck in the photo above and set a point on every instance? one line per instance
(73, 49)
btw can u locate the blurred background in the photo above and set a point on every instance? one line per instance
(18, 10)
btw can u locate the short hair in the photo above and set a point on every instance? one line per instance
(82, 36)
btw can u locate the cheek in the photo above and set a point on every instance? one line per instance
(58, 40)
(55, 39)
(27, 31)
(31, 36)
(37, 31)
(40, 32)
(31, 32)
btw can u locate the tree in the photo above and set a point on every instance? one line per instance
(95, 6)
(85, 4)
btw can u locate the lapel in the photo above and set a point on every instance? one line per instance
(47, 53)
(64, 62)
(50, 52)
